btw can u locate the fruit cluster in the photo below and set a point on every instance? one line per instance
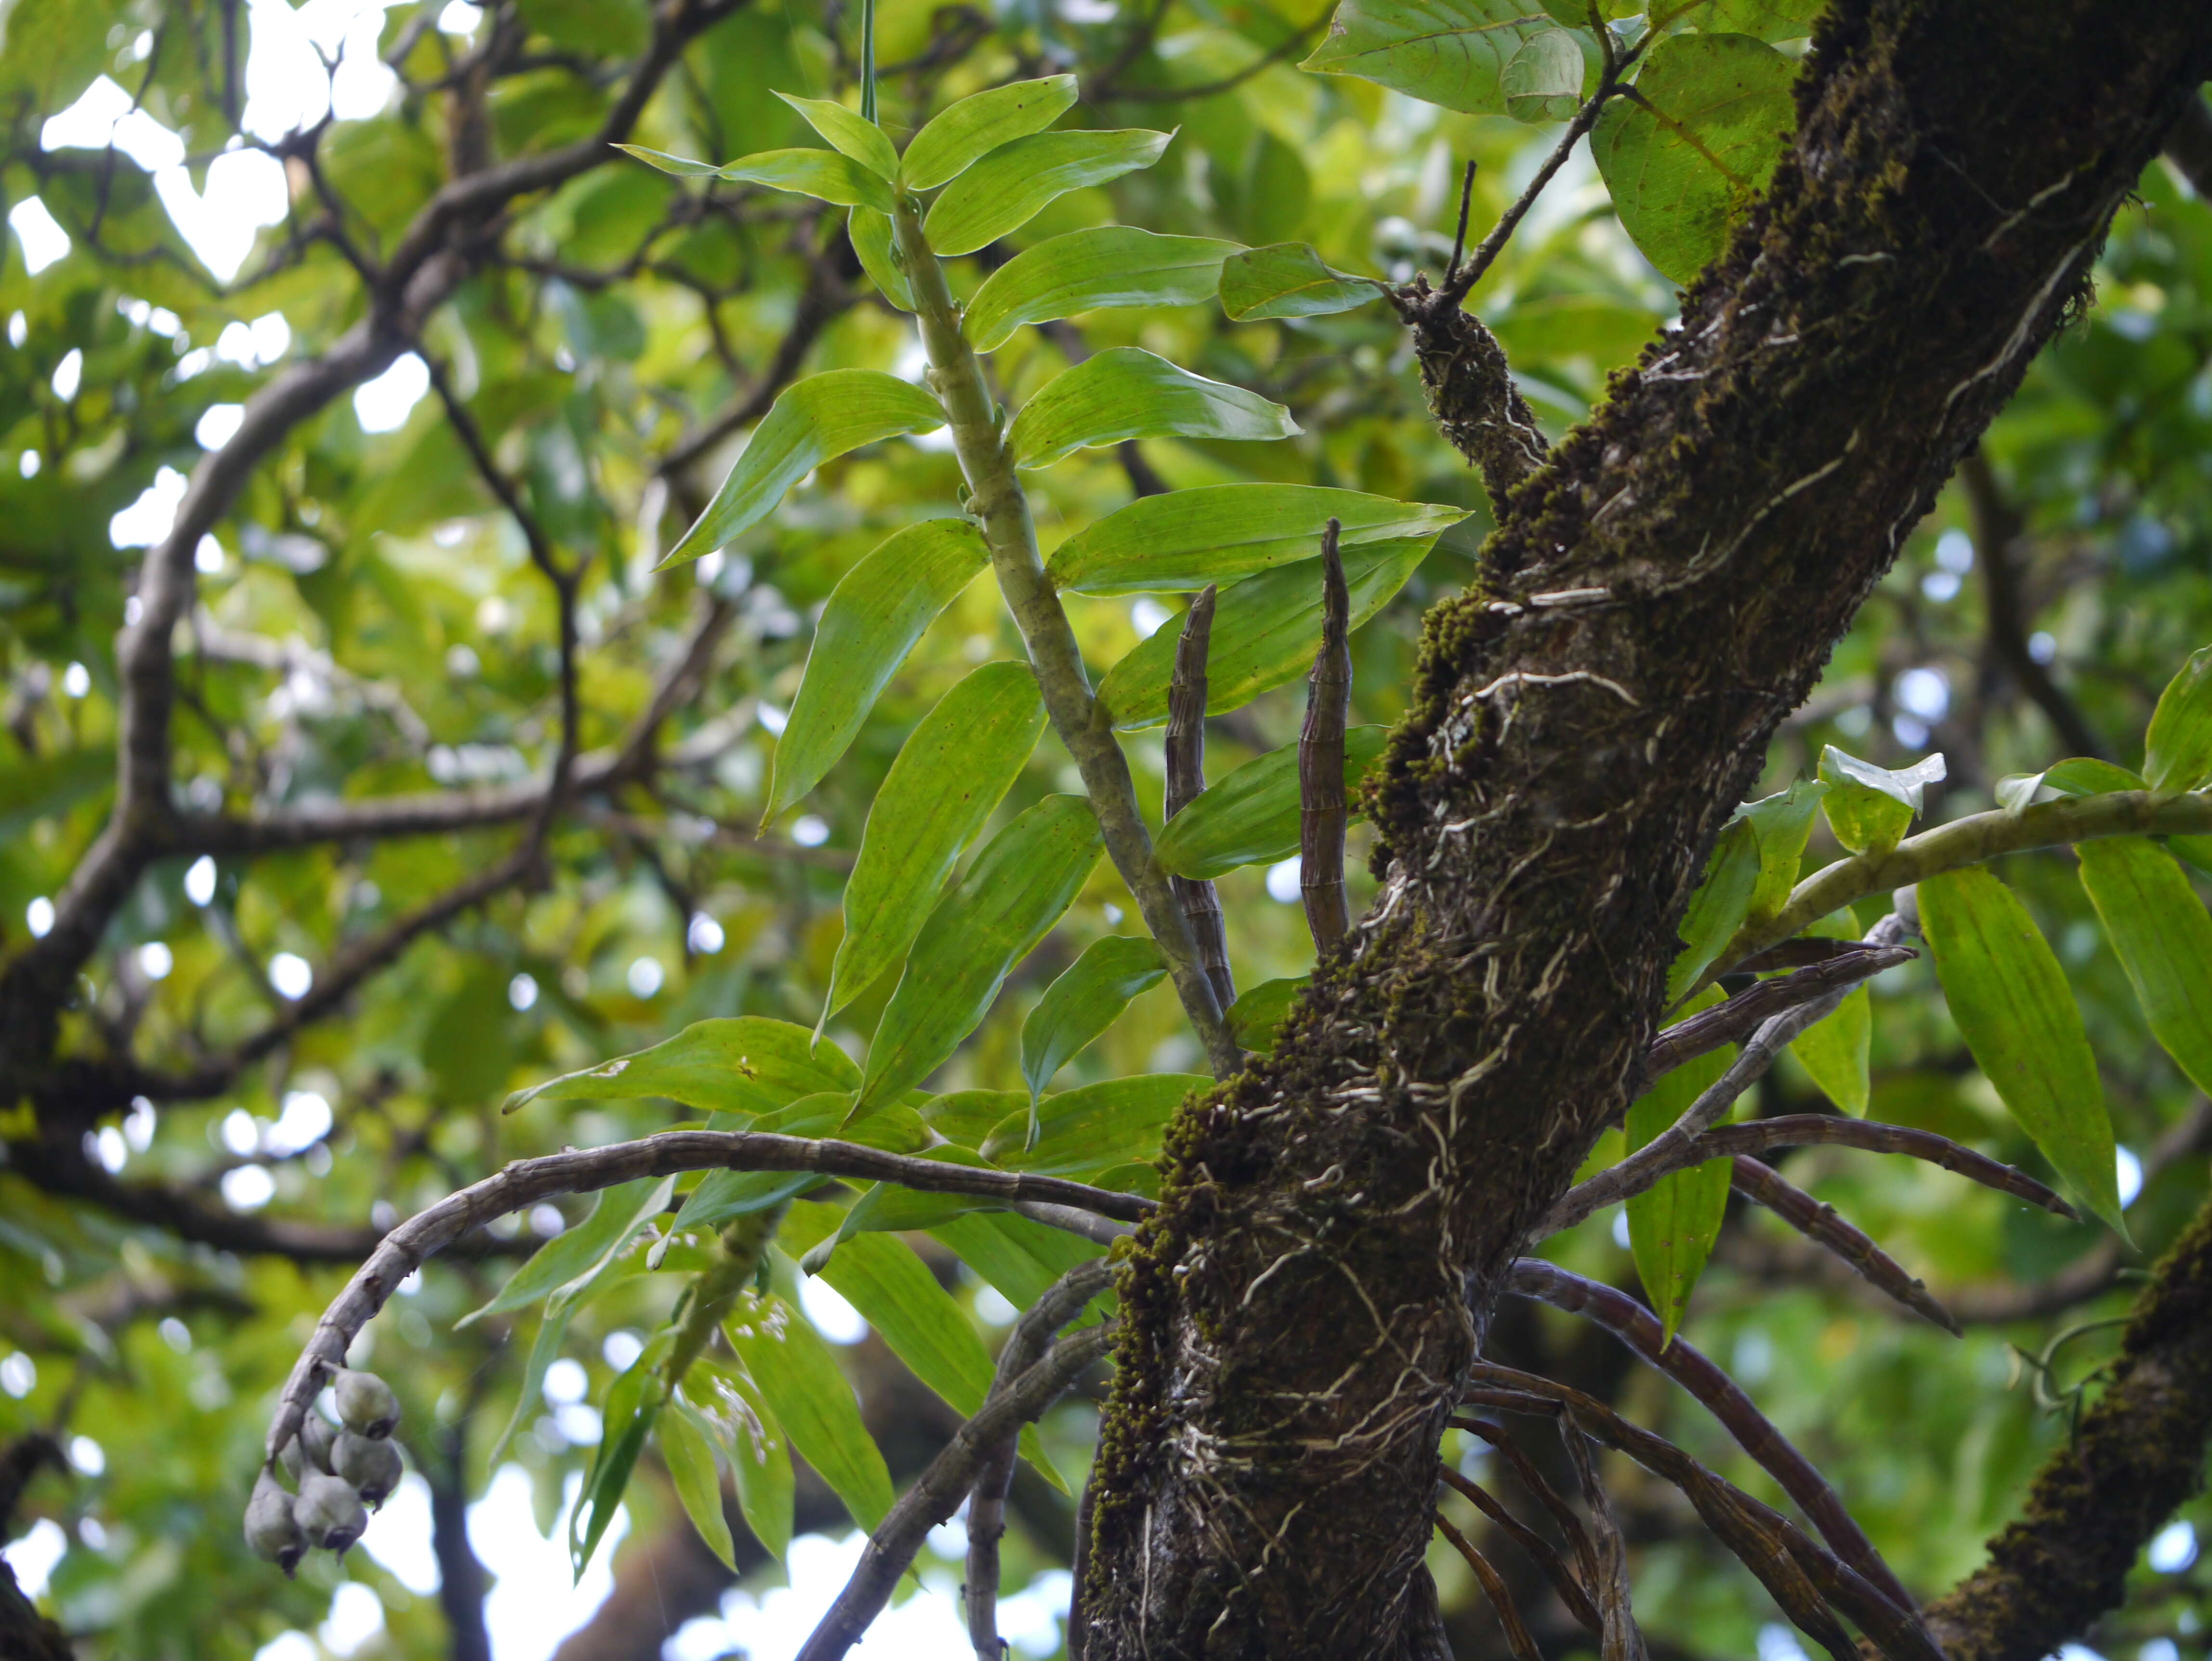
(338, 1475)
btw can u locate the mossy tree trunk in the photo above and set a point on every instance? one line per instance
(1336, 1219)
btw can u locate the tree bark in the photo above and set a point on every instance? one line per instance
(1336, 1220)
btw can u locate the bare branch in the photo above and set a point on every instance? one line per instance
(1323, 814)
(937, 1495)
(1742, 1014)
(525, 1182)
(1641, 1331)
(1825, 1227)
(1827, 1130)
(1541, 1550)
(1186, 779)
(1620, 1640)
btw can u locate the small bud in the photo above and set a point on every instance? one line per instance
(329, 1512)
(315, 1441)
(370, 1464)
(270, 1528)
(366, 1403)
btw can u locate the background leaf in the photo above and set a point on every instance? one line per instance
(2178, 750)
(2012, 1002)
(1452, 52)
(1127, 393)
(616, 1214)
(1688, 153)
(1288, 279)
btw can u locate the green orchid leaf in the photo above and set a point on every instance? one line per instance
(2160, 929)
(875, 614)
(1837, 1050)
(1088, 271)
(2011, 1000)
(1128, 392)
(814, 1405)
(1185, 539)
(744, 1065)
(850, 132)
(1780, 823)
(965, 132)
(1718, 907)
(1250, 815)
(1870, 808)
(1084, 1001)
(1672, 1225)
(1288, 279)
(1260, 1011)
(950, 774)
(871, 232)
(1690, 151)
(1017, 1257)
(2177, 750)
(730, 1405)
(616, 1214)
(679, 165)
(1005, 190)
(816, 420)
(1019, 886)
(1080, 1132)
(826, 175)
(1266, 631)
(689, 1453)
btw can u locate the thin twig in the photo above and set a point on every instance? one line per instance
(1494, 1588)
(1463, 279)
(1831, 1130)
(1641, 1330)
(987, 1501)
(1619, 1640)
(1524, 1470)
(526, 1181)
(937, 1494)
(1730, 1022)
(1458, 237)
(1825, 1227)
(1186, 780)
(1322, 814)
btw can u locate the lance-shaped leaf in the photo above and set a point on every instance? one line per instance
(897, 1295)
(1781, 824)
(1084, 1001)
(1265, 632)
(2011, 1000)
(616, 1214)
(818, 420)
(1249, 815)
(1689, 152)
(800, 1381)
(2164, 938)
(850, 132)
(1019, 1258)
(1007, 189)
(1868, 807)
(1080, 1132)
(871, 242)
(2178, 750)
(1673, 1223)
(744, 1064)
(730, 1405)
(964, 132)
(627, 1419)
(874, 615)
(1288, 279)
(1452, 52)
(681, 167)
(1260, 1011)
(1717, 908)
(722, 1195)
(688, 1451)
(1837, 1048)
(948, 776)
(1184, 539)
(1019, 886)
(552, 1329)
(1128, 392)
(826, 175)
(1089, 270)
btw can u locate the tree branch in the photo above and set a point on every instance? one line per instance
(1323, 815)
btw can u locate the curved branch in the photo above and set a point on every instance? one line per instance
(1826, 1227)
(526, 1181)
